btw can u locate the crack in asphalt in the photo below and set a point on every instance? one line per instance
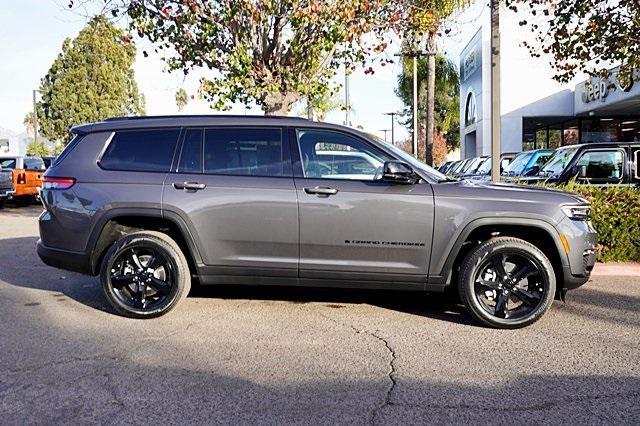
(391, 373)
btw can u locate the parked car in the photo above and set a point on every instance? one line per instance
(154, 202)
(6, 185)
(444, 167)
(483, 171)
(593, 164)
(528, 163)
(27, 176)
(455, 169)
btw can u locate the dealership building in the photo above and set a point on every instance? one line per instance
(536, 111)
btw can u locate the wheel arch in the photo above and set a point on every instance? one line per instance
(538, 232)
(119, 222)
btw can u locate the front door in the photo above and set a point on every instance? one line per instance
(235, 190)
(352, 224)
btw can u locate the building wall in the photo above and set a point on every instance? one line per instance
(527, 85)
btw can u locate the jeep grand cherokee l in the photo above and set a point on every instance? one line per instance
(150, 204)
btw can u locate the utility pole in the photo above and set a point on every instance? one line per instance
(415, 106)
(347, 99)
(385, 133)
(495, 90)
(393, 119)
(35, 117)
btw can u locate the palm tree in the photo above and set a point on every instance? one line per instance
(446, 100)
(181, 99)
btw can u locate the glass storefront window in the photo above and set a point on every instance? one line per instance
(570, 133)
(601, 130)
(555, 138)
(630, 129)
(541, 138)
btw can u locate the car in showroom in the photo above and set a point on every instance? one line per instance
(152, 204)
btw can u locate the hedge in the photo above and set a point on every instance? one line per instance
(616, 217)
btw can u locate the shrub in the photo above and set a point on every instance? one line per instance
(616, 217)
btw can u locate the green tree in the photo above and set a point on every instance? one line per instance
(37, 149)
(421, 22)
(584, 35)
(29, 123)
(182, 99)
(446, 99)
(271, 52)
(90, 80)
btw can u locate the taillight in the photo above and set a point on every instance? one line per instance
(22, 178)
(50, 182)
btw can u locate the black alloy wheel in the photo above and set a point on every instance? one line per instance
(145, 274)
(507, 283)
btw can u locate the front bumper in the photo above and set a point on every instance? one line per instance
(63, 259)
(582, 239)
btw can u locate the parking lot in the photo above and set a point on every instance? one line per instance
(275, 355)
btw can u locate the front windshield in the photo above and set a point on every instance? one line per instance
(413, 162)
(558, 161)
(518, 164)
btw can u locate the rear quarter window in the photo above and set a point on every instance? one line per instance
(141, 150)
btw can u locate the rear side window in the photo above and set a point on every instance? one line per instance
(34, 164)
(8, 163)
(141, 150)
(191, 156)
(243, 151)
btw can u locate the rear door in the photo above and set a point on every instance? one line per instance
(234, 188)
(353, 225)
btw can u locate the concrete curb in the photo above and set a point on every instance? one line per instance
(616, 269)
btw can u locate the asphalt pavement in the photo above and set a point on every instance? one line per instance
(271, 355)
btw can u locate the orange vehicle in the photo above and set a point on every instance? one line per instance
(27, 176)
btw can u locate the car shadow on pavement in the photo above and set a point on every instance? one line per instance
(20, 266)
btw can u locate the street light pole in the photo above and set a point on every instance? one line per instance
(347, 100)
(393, 119)
(35, 117)
(495, 90)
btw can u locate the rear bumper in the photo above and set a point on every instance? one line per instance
(63, 259)
(6, 192)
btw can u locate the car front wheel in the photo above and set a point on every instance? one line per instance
(145, 274)
(507, 282)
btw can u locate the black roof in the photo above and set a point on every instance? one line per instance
(142, 122)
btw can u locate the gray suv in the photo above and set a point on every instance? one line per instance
(151, 204)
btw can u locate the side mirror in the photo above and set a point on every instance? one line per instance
(399, 172)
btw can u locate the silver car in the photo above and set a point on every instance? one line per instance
(152, 204)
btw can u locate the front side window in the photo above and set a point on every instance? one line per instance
(334, 155)
(141, 150)
(243, 152)
(602, 165)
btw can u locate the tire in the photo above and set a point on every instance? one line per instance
(129, 286)
(488, 297)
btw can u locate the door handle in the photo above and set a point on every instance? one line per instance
(321, 191)
(189, 186)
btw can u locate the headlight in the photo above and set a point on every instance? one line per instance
(579, 212)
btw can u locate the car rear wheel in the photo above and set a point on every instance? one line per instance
(507, 283)
(145, 275)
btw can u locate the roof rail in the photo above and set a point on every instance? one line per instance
(146, 117)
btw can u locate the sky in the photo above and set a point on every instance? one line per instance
(31, 36)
